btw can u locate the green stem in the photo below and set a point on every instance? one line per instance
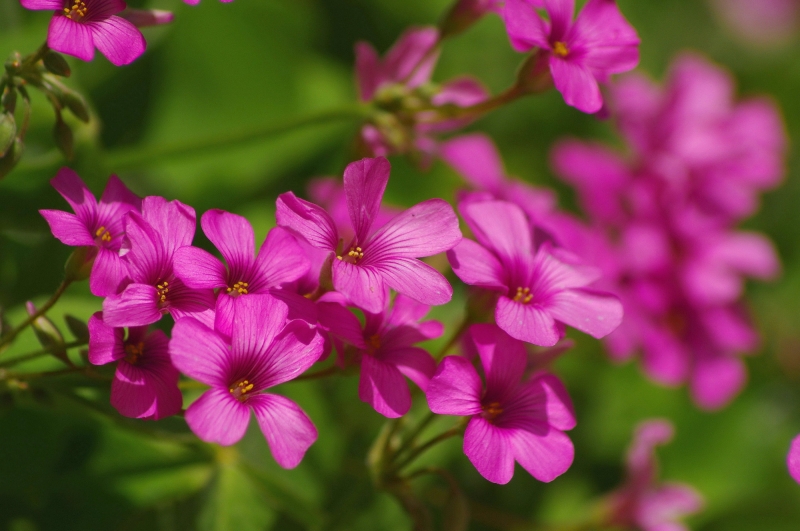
(333, 369)
(137, 157)
(465, 323)
(409, 442)
(39, 353)
(14, 332)
(452, 432)
(35, 57)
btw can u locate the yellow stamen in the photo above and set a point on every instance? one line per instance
(103, 234)
(560, 49)
(240, 389)
(492, 411)
(240, 288)
(163, 290)
(77, 12)
(523, 295)
(134, 352)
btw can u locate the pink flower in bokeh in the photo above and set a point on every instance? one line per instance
(80, 26)
(152, 289)
(386, 352)
(145, 383)
(279, 260)
(511, 419)
(373, 261)
(579, 54)
(264, 352)
(767, 23)
(537, 290)
(793, 459)
(99, 225)
(142, 18)
(643, 501)
(196, 2)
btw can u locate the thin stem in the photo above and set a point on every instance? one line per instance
(465, 323)
(36, 57)
(42, 352)
(479, 109)
(136, 157)
(452, 432)
(8, 338)
(413, 437)
(333, 369)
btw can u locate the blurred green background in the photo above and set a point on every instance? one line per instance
(72, 463)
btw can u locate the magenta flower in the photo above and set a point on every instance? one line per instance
(537, 290)
(765, 23)
(145, 384)
(142, 18)
(152, 289)
(643, 502)
(387, 352)
(793, 459)
(511, 419)
(579, 54)
(80, 26)
(264, 352)
(94, 225)
(279, 260)
(375, 260)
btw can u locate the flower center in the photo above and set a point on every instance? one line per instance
(374, 341)
(163, 290)
(133, 352)
(240, 288)
(523, 295)
(560, 49)
(240, 389)
(102, 235)
(77, 12)
(354, 255)
(492, 411)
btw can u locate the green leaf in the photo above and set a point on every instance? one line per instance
(234, 502)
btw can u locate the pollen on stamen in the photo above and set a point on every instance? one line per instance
(492, 410)
(240, 288)
(560, 49)
(163, 290)
(133, 352)
(240, 389)
(523, 295)
(103, 234)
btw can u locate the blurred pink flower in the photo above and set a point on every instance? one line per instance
(793, 459)
(142, 18)
(80, 26)
(765, 23)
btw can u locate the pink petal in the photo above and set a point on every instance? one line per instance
(107, 273)
(428, 228)
(218, 417)
(717, 380)
(609, 42)
(793, 459)
(368, 75)
(42, 5)
(410, 60)
(199, 352)
(71, 187)
(553, 274)
(560, 12)
(147, 259)
(117, 199)
(417, 280)
(406, 312)
(172, 220)
(137, 305)
(119, 40)
(294, 351)
(224, 314)
(382, 386)
(476, 158)
(232, 235)
(545, 457)
(148, 391)
(288, 429)
(68, 228)
(364, 183)
(525, 27)
(72, 38)
(342, 323)
(665, 358)
(455, 388)
(105, 342)
(503, 359)
(594, 313)
(363, 286)
(664, 506)
(280, 259)
(413, 363)
(489, 450)
(576, 84)
(501, 227)
(199, 269)
(527, 322)
(307, 220)
(556, 400)
(257, 321)
(476, 266)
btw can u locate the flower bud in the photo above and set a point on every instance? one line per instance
(147, 17)
(76, 104)
(79, 264)
(11, 158)
(77, 327)
(48, 334)
(63, 137)
(8, 132)
(55, 63)
(9, 101)
(534, 75)
(464, 14)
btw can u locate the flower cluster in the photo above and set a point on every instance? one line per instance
(662, 223)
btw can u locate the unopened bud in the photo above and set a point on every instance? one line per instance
(13, 63)
(9, 101)
(79, 264)
(77, 327)
(8, 132)
(63, 137)
(48, 334)
(534, 75)
(76, 104)
(55, 63)
(142, 18)
(464, 14)
(11, 158)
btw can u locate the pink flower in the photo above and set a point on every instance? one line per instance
(80, 26)
(643, 502)
(767, 23)
(387, 352)
(511, 419)
(264, 352)
(400, 84)
(152, 289)
(793, 459)
(195, 2)
(599, 43)
(142, 18)
(94, 225)
(279, 260)
(145, 384)
(375, 260)
(537, 290)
